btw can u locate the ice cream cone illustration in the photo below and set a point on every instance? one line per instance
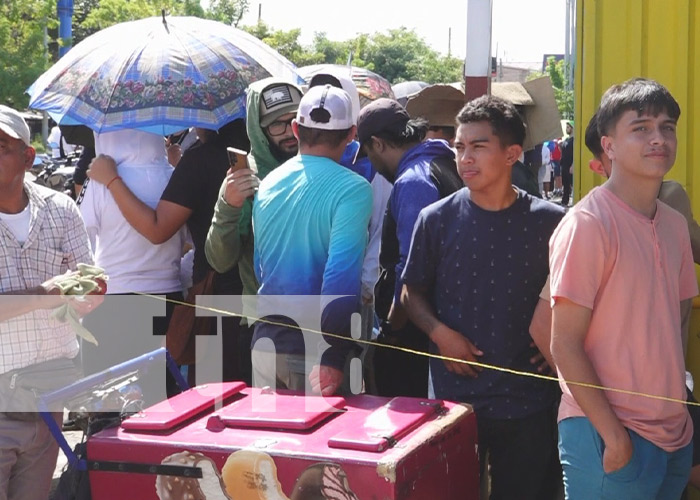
(251, 475)
(209, 487)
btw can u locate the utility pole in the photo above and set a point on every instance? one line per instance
(477, 63)
(449, 42)
(572, 53)
(44, 114)
(259, 13)
(567, 44)
(65, 25)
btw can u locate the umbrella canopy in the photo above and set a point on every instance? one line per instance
(369, 85)
(158, 75)
(404, 89)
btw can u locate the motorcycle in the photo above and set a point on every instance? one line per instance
(56, 173)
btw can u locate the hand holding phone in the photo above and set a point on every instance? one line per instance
(237, 159)
(241, 182)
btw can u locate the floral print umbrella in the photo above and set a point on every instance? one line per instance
(159, 75)
(369, 85)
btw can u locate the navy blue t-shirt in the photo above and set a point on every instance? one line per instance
(484, 271)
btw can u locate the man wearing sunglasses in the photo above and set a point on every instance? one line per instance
(271, 106)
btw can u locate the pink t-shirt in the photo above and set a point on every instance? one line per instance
(632, 272)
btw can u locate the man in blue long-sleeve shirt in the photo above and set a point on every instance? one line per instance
(422, 172)
(310, 219)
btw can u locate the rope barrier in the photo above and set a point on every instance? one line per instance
(427, 354)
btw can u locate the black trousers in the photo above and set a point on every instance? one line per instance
(521, 456)
(567, 180)
(398, 373)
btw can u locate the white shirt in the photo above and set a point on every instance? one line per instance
(381, 191)
(18, 224)
(132, 263)
(546, 155)
(54, 137)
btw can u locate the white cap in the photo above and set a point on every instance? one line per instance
(12, 123)
(327, 108)
(341, 75)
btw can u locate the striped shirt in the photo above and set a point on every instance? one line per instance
(57, 241)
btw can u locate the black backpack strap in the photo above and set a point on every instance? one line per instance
(443, 173)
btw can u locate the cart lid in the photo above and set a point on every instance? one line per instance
(386, 425)
(172, 412)
(272, 410)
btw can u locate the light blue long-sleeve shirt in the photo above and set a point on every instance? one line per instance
(310, 219)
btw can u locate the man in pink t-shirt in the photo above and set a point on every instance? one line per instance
(621, 263)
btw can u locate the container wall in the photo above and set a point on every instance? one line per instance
(621, 39)
(660, 39)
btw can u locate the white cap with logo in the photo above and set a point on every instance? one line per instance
(12, 123)
(327, 108)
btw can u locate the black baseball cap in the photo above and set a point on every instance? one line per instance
(379, 116)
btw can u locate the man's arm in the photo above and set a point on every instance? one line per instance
(450, 343)
(158, 225)
(342, 276)
(47, 296)
(19, 302)
(541, 330)
(409, 199)
(570, 323)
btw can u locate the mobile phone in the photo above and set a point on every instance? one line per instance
(238, 159)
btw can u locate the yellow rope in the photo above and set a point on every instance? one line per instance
(427, 354)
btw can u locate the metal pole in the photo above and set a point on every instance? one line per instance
(44, 114)
(449, 42)
(572, 51)
(259, 13)
(65, 26)
(477, 63)
(567, 44)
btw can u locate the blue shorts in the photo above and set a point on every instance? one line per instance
(651, 474)
(556, 166)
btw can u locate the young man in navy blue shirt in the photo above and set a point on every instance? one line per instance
(477, 263)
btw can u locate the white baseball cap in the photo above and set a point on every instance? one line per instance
(339, 77)
(12, 123)
(327, 108)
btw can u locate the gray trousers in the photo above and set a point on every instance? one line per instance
(28, 454)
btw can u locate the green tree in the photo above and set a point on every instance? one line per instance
(333, 52)
(105, 13)
(23, 56)
(398, 55)
(401, 55)
(286, 43)
(227, 11)
(81, 9)
(94, 15)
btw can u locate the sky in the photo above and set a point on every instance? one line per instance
(522, 30)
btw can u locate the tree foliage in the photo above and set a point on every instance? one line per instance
(100, 14)
(398, 55)
(22, 40)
